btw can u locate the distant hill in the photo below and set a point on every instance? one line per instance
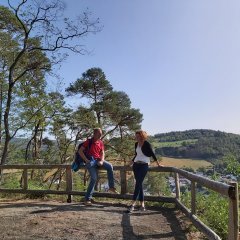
(197, 143)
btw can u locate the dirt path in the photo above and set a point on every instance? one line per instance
(35, 220)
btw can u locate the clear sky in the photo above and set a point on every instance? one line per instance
(178, 60)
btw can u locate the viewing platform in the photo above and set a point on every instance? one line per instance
(36, 219)
(109, 220)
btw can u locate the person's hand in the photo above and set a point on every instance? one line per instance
(87, 161)
(129, 163)
(160, 165)
(91, 162)
(100, 163)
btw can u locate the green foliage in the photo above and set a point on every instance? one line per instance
(78, 181)
(159, 144)
(212, 209)
(36, 185)
(185, 135)
(233, 166)
(123, 148)
(8, 21)
(30, 49)
(189, 169)
(156, 184)
(202, 169)
(11, 181)
(16, 153)
(93, 85)
(111, 110)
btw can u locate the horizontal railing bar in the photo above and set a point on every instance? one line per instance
(222, 188)
(198, 223)
(219, 187)
(51, 166)
(97, 194)
(5, 190)
(34, 166)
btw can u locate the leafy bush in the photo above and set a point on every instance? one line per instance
(155, 183)
(211, 209)
(11, 182)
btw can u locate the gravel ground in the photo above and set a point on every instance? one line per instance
(55, 220)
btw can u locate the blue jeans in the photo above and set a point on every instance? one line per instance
(140, 171)
(92, 169)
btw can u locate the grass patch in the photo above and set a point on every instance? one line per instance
(157, 144)
(185, 163)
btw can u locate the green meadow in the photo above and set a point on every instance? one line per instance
(157, 144)
(185, 163)
(180, 162)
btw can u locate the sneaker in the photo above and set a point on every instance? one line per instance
(113, 190)
(93, 200)
(130, 209)
(142, 209)
(87, 203)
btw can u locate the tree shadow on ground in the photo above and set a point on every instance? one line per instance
(176, 233)
(127, 223)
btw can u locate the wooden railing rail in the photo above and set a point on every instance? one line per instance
(227, 190)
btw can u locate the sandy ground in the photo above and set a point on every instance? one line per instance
(55, 220)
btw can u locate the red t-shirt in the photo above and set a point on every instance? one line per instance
(96, 148)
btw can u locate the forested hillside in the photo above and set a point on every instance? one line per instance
(199, 144)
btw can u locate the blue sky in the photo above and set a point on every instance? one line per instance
(178, 60)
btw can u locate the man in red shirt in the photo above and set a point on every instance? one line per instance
(94, 159)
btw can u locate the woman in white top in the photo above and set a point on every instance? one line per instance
(141, 161)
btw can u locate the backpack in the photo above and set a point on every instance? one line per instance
(78, 161)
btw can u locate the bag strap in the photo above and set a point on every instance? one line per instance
(89, 145)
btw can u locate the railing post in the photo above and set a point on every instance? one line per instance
(69, 182)
(177, 185)
(233, 221)
(123, 175)
(193, 197)
(25, 179)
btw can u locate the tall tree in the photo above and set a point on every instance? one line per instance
(112, 109)
(94, 86)
(33, 28)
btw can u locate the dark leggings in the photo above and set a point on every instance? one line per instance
(140, 171)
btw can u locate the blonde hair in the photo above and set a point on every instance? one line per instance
(142, 134)
(97, 130)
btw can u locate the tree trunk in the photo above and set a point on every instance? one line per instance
(6, 123)
(1, 114)
(27, 150)
(35, 152)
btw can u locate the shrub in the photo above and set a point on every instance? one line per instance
(212, 209)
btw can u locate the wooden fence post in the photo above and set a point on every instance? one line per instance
(233, 222)
(69, 182)
(25, 179)
(193, 197)
(177, 185)
(123, 175)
